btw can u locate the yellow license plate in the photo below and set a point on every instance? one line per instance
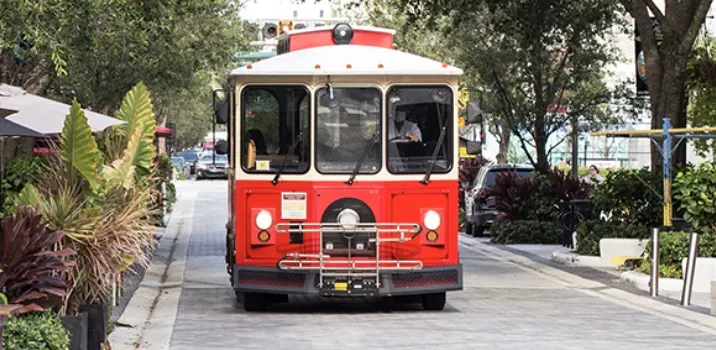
(340, 286)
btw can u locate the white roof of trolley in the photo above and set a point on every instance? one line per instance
(347, 60)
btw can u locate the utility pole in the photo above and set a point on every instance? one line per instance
(575, 146)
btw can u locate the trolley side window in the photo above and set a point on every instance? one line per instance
(416, 117)
(272, 119)
(347, 123)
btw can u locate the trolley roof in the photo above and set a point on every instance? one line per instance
(347, 60)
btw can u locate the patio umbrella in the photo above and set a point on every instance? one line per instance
(44, 115)
(9, 128)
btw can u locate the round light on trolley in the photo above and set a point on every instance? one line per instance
(348, 218)
(431, 236)
(263, 220)
(264, 236)
(342, 33)
(431, 220)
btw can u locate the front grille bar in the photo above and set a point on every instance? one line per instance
(328, 267)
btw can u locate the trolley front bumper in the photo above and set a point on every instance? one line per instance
(392, 282)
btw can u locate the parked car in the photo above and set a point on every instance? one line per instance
(480, 211)
(208, 167)
(190, 159)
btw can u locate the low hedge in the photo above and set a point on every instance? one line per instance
(673, 248)
(590, 232)
(37, 331)
(524, 232)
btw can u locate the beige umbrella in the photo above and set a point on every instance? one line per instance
(44, 115)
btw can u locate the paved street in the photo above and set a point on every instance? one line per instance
(502, 306)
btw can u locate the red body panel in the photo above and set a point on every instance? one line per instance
(391, 202)
(311, 39)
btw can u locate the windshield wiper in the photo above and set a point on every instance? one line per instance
(439, 145)
(362, 157)
(285, 159)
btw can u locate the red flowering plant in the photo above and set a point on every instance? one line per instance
(32, 267)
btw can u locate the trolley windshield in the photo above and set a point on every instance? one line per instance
(276, 124)
(346, 122)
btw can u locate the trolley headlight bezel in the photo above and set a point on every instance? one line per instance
(263, 220)
(348, 218)
(432, 220)
(342, 33)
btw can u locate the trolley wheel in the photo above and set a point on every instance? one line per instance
(469, 228)
(434, 301)
(478, 231)
(252, 301)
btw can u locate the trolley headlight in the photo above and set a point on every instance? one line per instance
(263, 220)
(348, 218)
(431, 220)
(342, 33)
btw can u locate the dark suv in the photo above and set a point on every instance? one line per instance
(480, 211)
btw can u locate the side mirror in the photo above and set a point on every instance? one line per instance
(221, 112)
(221, 147)
(473, 147)
(474, 112)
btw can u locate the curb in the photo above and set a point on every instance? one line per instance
(674, 313)
(148, 319)
(574, 259)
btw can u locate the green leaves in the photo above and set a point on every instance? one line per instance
(695, 189)
(137, 111)
(78, 148)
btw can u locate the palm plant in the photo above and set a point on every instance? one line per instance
(101, 200)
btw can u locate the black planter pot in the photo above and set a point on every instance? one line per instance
(97, 318)
(77, 326)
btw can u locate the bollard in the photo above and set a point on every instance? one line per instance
(690, 267)
(654, 285)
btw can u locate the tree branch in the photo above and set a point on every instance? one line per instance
(556, 145)
(696, 20)
(654, 10)
(524, 147)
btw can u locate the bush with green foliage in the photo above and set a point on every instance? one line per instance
(590, 232)
(524, 232)
(673, 248)
(631, 196)
(18, 172)
(695, 189)
(36, 331)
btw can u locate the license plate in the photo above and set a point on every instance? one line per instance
(340, 286)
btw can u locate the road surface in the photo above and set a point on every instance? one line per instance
(503, 306)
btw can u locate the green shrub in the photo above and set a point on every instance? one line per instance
(632, 196)
(590, 232)
(524, 232)
(695, 189)
(36, 331)
(673, 248)
(18, 172)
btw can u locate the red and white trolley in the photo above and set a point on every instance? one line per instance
(343, 177)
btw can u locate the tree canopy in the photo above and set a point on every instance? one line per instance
(95, 50)
(541, 64)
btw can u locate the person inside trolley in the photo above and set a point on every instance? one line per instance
(403, 130)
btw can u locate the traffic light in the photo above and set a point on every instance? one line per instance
(269, 31)
(284, 26)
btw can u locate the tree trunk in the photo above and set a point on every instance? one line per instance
(670, 103)
(505, 134)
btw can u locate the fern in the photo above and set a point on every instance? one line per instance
(78, 148)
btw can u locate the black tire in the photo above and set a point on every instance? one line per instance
(254, 302)
(434, 301)
(478, 231)
(469, 228)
